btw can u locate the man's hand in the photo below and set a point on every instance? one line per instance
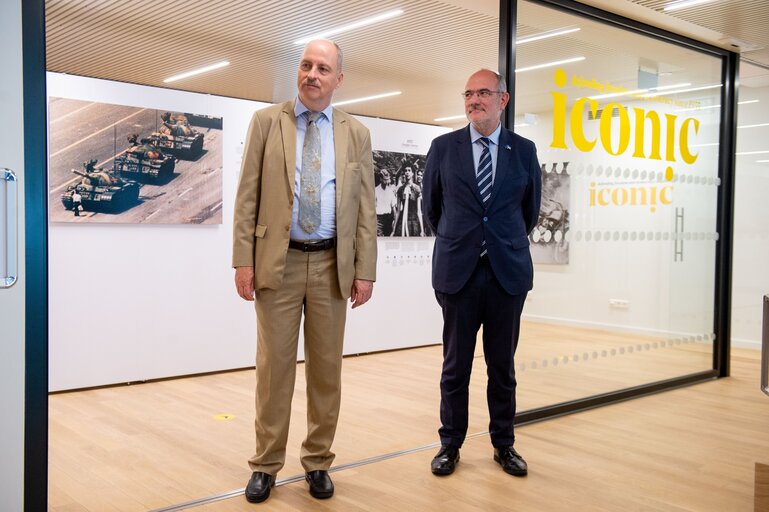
(361, 292)
(244, 282)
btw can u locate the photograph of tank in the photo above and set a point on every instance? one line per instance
(124, 164)
(549, 239)
(398, 178)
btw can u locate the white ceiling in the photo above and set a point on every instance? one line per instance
(426, 53)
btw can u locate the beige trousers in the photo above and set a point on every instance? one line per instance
(310, 286)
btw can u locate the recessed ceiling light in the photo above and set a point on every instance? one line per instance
(549, 64)
(545, 35)
(367, 98)
(683, 4)
(197, 71)
(351, 26)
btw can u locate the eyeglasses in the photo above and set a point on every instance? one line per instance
(482, 93)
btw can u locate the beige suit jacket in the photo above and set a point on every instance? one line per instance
(264, 200)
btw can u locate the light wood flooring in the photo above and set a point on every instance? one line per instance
(156, 445)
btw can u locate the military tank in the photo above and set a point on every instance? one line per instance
(144, 161)
(177, 137)
(100, 190)
(204, 121)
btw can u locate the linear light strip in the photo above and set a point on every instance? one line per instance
(683, 4)
(762, 161)
(549, 64)
(753, 125)
(752, 153)
(746, 102)
(684, 90)
(197, 71)
(546, 35)
(639, 91)
(351, 26)
(449, 118)
(367, 98)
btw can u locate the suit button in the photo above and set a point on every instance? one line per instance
(288, 228)
(485, 219)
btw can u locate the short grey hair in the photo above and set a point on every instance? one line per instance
(501, 82)
(339, 56)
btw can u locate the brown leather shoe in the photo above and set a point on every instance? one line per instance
(259, 486)
(511, 461)
(321, 486)
(445, 461)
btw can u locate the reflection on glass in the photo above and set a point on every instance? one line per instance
(629, 119)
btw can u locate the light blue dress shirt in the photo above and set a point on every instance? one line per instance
(478, 148)
(325, 123)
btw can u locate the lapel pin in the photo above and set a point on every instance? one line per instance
(507, 146)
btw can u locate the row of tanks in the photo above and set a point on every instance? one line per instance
(147, 160)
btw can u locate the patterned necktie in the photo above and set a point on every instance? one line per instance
(483, 176)
(309, 191)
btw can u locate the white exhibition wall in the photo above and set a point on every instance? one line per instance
(131, 302)
(137, 302)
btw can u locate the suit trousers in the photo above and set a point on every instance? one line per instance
(481, 302)
(310, 286)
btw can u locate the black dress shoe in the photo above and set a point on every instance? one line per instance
(445, 461)
(258, 488)
(321, 486)
(511, 461)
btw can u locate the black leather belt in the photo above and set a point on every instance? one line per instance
(312, 245)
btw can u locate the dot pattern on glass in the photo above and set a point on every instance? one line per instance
(622, 349)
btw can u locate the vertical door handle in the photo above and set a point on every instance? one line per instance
(765, 348)
(11, 227)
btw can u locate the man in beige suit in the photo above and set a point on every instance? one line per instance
(304, 242)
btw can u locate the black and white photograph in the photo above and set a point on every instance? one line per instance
(398, 178)
(124, 164)
(549, 241)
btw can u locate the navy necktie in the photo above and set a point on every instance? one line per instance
(483, 176)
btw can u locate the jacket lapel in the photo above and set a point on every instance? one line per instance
(466, 166)
(341, 137)
(504, 166)
(288, 134)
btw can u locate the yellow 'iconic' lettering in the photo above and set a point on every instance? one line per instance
(639, 195)
(607, 127)
(577, 134)
(624, 128)
(640, 133)
(688, 157)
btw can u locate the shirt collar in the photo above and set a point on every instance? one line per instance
(300, 109)
(494, 137)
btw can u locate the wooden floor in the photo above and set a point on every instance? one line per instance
(157, 445)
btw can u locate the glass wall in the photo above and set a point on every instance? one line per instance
(627, 130)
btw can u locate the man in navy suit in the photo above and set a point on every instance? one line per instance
(481, 195)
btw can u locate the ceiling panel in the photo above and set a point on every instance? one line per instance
(427, 53)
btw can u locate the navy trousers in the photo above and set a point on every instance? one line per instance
(481, 302)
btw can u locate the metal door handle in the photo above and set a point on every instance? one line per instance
(11, 238)
(765, 349)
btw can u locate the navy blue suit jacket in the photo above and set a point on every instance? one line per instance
(453, 206)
